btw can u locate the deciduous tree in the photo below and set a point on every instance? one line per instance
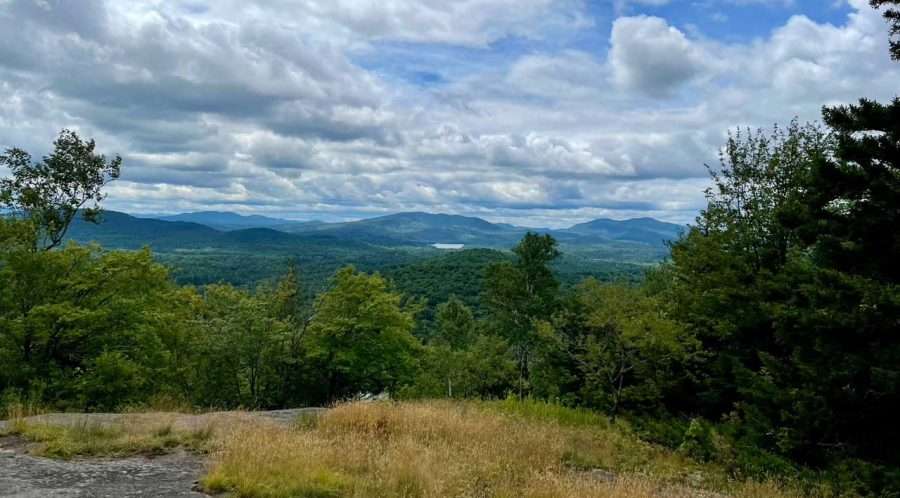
(53, 191)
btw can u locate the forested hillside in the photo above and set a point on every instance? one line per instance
(416, 228)
(199, 254)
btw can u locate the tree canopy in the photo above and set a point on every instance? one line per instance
(51, 192)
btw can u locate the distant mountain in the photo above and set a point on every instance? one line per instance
(640, 240)
(123, 231)
(223, 220)
(201, 254)
(427, 228)
(421, 229)
(643, 230)
(418, 228)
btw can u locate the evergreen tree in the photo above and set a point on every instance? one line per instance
(892, 15)
(838, 320)
(791, 281)
(455, 324)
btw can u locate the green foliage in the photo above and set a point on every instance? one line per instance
(436, 279)
(200, 255)
(111, 380)
(522, 293)
(360, 336)
(238, 343)
(892, 15)
(463, 360)
(61, 310)
(791, 283)
(53, 191)
(484, 369)
(455, 324)
(698, 441)
(766, 346)
(630, 351)
(534, 255)
(537, 410)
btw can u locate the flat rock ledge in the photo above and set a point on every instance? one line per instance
(173, 475)
(24, 476)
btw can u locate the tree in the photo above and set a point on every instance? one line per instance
(483, 369)
(51, 192)
(837, 321)
(893, 17)
(535, 253)
(360, 337)
(288, 303)
(241, 347)
(852, 204)
(455, 324)
(60, 311)
(792, 287)
(522, 293)
(15, 235)
(462, 360)
(632, 353)
(758, 180)
(721, 267)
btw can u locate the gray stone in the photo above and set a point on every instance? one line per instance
(173, 475)
(168, 476)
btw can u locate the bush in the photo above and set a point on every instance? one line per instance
(113, 381)
(668, 432)
(698, 441)
(14, 405)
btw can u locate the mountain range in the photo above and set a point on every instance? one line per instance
(401, 229)
(210, 247)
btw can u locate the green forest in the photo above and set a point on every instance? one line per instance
(767, 341)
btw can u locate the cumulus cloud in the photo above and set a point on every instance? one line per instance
(649, 56)
(461, 22)
(297, 108)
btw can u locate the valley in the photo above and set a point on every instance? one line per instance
(210, 247)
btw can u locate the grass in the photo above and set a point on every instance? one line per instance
(127, 435)
(424, 449)
(451, 449)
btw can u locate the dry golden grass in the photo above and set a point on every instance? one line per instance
(446, 449)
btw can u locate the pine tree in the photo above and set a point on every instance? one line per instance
(893, 17)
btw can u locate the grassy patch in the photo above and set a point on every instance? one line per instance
(447, 449)
(548, 412)
(126, 436)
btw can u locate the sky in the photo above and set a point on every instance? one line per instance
(534, 112)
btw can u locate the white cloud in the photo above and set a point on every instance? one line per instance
(278, 106)
(650, 56)
(461, 22)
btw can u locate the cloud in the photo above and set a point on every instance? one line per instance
(649, 56)
(463, 22)
(541, 114)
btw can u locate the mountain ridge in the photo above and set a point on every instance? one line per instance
(641, 241)
(421, 227)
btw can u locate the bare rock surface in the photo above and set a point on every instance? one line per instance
(172, 475)
(25, 476)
